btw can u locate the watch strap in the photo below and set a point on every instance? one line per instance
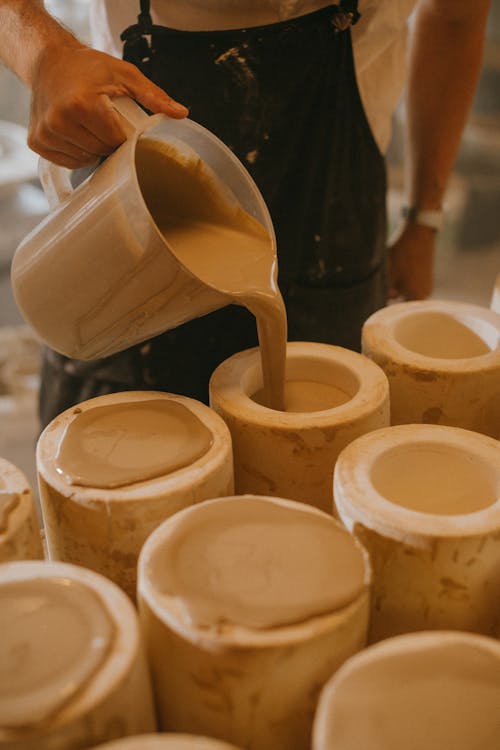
(426, 217)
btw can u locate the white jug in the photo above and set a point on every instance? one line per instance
(97, 276)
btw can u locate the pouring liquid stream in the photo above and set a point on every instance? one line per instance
(222, 245)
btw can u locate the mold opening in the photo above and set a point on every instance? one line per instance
(312, 384)
(446, 336)
(436, 479)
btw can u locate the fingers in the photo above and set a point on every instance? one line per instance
(76, 148)
(394, 294)
(73, 122)
(63, 160)
(409, 287)
(400, 284)
(75, 135)
(63, 152)
(104, 123)
(411, 263)
(151, 96)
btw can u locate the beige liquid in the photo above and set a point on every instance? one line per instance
(309, 396)
(258, 564)
(9, 501)
(220, 244)
(119, 444)
(55, 635)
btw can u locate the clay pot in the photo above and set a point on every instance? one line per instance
(292, 454)
(104, 529)
(442, 360)
(19, 529)
(166, 742)
(424, 501)
(425, 690)
(73, 670)
(251, 683)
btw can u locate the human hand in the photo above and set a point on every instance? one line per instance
(73, 121)
(411, 262)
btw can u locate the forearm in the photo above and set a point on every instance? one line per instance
(26, 32)
(445, 57)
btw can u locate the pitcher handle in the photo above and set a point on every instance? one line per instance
(56, 180)
(134, 119)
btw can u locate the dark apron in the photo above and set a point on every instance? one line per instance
(284, 98)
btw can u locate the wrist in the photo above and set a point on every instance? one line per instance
(53, 54)
(53, 42)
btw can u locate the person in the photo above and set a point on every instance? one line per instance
(303, 92)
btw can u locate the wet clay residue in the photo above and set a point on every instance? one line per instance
(56, 634)
(258, 564)
(442, 695)
(123, 443)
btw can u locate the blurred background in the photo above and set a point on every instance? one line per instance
(468, 248)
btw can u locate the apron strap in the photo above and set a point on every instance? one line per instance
(144, 17)
(137, 39)
(345, 14)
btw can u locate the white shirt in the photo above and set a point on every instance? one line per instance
(379, 38)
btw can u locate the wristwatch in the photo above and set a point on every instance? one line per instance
(432, 218)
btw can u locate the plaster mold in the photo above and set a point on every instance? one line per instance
(242, 637)
(105, 528)
(495, 297)
(19, 530)
(166, 742)
(442, 360)
(73, 670)
(292, 453)
(424, 690)
(424, 500)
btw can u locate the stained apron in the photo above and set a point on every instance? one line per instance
(284, 98)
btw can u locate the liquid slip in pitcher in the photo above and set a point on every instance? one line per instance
(122, 275)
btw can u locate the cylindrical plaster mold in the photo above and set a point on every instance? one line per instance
(292, 454)
(255, 687)
(104, 529)
(423, 690)
(442, 360)
(495, 297)
(164, 741)
(424, 500)
(19, 529)
(74, 672)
